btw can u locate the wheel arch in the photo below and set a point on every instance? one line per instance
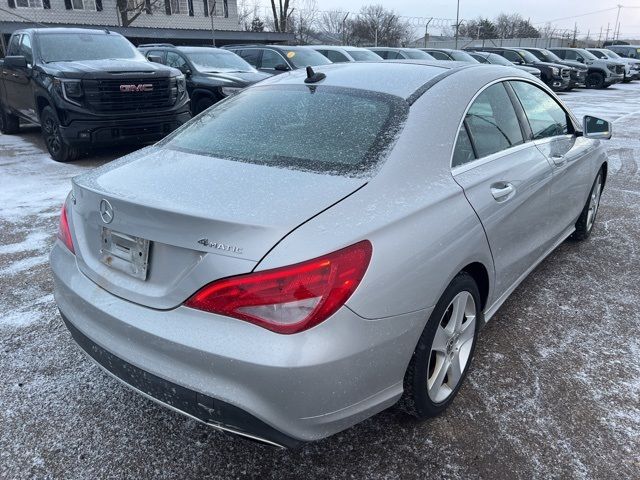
(605, 170)
(480, 275)
(41, 103)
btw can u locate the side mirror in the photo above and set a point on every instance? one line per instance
(281, 67)
(15, 61)
(580, 59)
(596, 128)
(155, 58)
(186, 70)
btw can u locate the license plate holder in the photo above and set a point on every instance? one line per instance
(126, 253)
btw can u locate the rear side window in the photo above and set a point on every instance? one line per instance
(492, 121)
(545, 116)
(323, 129)
(463, 152)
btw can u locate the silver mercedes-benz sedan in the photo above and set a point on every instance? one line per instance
(325, 244)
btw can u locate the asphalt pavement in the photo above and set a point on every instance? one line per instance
(553, 392)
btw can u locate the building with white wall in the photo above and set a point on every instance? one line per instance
(177, 21)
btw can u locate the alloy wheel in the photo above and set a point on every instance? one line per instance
(451, 347)
(594, 203)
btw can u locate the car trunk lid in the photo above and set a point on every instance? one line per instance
(204, 218)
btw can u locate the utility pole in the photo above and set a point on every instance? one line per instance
(617, 24)
(599, 37)
(213, 30)
(457, 22)
(575, 34)
(606, 36)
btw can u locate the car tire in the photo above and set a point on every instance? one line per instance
(595, 80)
(429, 383)
(587, 217)
(9, 124)
(57, 146)
(202, 104)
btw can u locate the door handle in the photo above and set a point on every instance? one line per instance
(558, 160)
(502, 191)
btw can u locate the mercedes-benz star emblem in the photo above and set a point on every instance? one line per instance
(106, 211)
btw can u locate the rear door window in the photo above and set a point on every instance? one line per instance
(546, 117)
(250, 55)
(492, 121)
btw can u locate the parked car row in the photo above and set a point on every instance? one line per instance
(88, 88)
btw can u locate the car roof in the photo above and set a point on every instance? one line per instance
(187, 49)
(52, 30)
(336, 47)
(447, 50)
(379, 77)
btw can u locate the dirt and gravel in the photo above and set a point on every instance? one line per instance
(554, 391)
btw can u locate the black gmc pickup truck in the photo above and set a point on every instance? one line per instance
(87, 88)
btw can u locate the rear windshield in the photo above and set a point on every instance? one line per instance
(68, 47)
(322, 129)
(303, 57)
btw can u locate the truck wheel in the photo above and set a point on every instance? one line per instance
(58, 148)
(9, 124)
(595, 80)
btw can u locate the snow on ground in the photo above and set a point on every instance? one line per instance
(554, 391)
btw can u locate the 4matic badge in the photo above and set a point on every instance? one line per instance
(220, 246)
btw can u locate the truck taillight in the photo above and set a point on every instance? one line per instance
(64, 232)
(289, 299)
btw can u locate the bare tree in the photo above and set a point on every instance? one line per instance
(304, 20)
(130, 10)
(336, 25)
(281, 15)
(376, 25)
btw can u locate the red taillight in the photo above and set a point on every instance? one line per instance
(289, 299)
(64, 232)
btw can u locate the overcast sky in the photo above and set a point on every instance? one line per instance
(538, 11)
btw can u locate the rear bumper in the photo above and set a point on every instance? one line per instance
(143, 129)
(211, 411)
(283, 389)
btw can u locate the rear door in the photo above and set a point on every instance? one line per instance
(553, 134)
(507, 181)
